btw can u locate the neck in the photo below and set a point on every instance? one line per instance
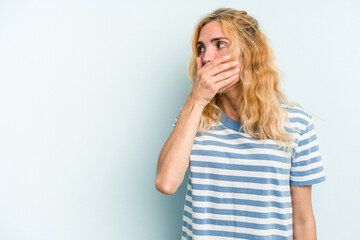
(229, 103)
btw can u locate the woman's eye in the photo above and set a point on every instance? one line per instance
(200, 49)
(220, 43)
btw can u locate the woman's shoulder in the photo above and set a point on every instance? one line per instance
(299, 117)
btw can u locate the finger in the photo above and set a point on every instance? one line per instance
(222, 67)
(225, 74)
(198, 63)
(229, 85)
(222, 84)
(216, 61)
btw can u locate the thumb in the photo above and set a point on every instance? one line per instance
(198, 63)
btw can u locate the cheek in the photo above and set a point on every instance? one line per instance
(222, 52)
(224, 49)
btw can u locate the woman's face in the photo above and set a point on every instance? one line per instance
(212, 42)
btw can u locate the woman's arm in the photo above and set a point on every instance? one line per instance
(174, 157)
(304, 227)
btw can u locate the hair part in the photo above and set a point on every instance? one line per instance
(260, 97)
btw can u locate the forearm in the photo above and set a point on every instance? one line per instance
(305, 230)
(174, 157)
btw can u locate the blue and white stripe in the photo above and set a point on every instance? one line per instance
(239, 188)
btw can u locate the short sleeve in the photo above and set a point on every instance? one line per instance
(176, 118)
(306, 163)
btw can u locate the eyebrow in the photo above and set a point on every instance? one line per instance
(212, 40)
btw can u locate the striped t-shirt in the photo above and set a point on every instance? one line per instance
(239, 188)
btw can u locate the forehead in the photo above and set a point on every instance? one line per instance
(211, 30)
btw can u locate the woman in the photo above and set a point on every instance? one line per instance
(253, 156)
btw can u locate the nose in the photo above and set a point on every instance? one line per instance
(209, 55)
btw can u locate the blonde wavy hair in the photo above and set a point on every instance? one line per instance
(260, 97)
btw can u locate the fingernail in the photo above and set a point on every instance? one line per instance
(227, 56)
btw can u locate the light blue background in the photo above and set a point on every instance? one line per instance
(89, 91)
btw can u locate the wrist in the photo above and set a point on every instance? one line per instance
(195, 102)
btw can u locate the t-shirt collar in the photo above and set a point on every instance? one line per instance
(229, 122)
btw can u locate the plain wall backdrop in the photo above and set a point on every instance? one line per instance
(89, 91)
